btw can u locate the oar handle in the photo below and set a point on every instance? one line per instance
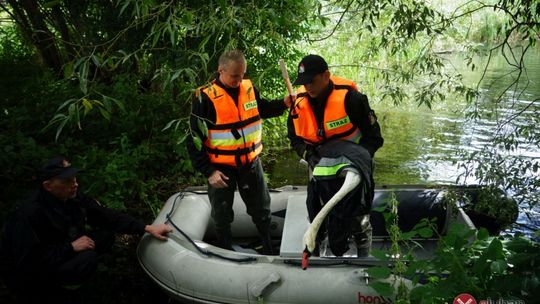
(285, 75)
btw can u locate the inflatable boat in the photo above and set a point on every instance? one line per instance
(192, 270)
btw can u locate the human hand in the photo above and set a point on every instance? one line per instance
(83, 243)
(159, 231)
(218, 180)
(289, 100)
(312, 156)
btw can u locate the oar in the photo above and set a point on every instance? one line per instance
(352, 179)
(285, 75)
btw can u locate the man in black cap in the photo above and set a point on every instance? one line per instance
(329, 108)
(52, 241)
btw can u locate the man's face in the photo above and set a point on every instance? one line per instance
(62, 188)
(232, 73)
(318, 84)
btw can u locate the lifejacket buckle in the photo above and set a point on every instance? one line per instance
(236, 134)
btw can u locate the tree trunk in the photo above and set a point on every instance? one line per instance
(20, 18)
(60, 21)
(33, 23)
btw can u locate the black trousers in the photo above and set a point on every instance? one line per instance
(59, 284)
(254, 192)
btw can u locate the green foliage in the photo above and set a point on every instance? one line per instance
(400, 55)
(76, 107)
(172, 47)
(393, 58)
(128, 163)
(488, 207)
(465, 261)
(127, 179)
(128, 72)
(494, 203)
(275, 130)
(487, 268)
(12, 45)
(400, 255)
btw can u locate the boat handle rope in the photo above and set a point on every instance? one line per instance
(201, 250)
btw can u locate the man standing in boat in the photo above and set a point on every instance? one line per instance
(225, 145)
(327, 108)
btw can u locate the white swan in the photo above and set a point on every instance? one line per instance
(352, 179)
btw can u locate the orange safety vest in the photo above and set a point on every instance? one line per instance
(342, 82)
(235, 138)
(336, 122)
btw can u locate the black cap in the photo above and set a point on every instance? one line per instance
(58, 167)
(310, 66)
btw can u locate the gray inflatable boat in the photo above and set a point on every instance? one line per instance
(192, 270)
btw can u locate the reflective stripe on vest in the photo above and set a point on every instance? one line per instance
(320, 171)
(235, 138)
(330, 168)
(337, 123)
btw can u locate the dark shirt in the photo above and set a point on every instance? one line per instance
(359, 112)
(203, 107)
(38, 235)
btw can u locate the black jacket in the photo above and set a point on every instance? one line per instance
(359, 112)
(205, 108)
(360, 159)
(38, 235)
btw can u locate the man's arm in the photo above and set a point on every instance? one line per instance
(100, 216)
(201, 109)
(361, 115)
(273, 108)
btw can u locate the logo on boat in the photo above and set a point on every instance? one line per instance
(372, 299)
(464, 298)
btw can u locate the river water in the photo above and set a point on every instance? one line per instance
(424, 146)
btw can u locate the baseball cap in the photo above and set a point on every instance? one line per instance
(310, 66)
(58, 167)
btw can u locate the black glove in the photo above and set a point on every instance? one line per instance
(312, 156)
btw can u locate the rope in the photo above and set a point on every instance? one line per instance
(201, 250)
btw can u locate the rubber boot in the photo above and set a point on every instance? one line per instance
(362, 247)
(224, 239)
(266, 238)
(267, 247)
(363, 238)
